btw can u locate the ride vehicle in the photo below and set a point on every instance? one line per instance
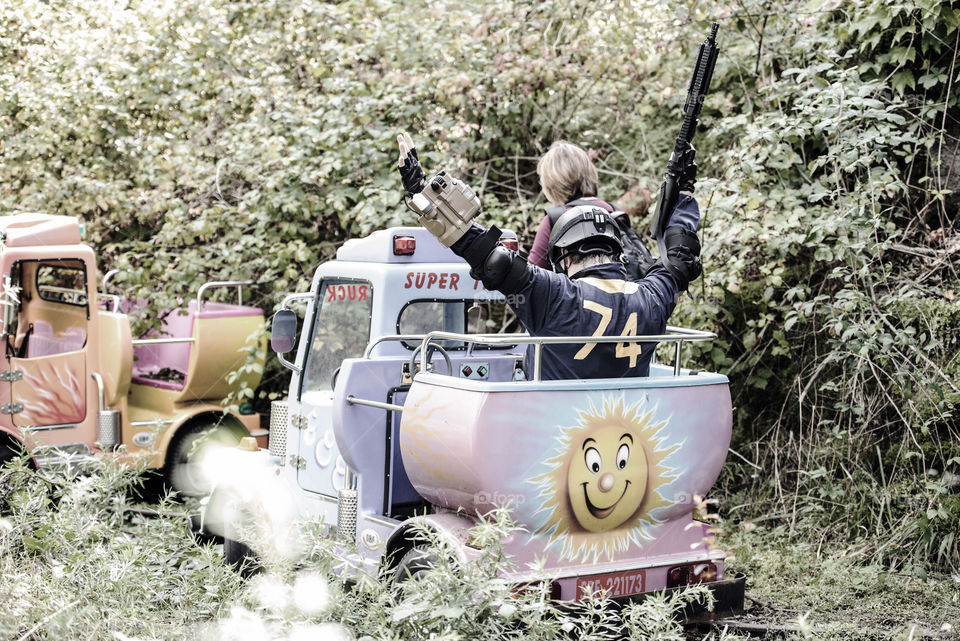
(377, 441)
(77, 384)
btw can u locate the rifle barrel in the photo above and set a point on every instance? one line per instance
(696, 93)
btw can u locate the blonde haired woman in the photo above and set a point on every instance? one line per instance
(568, 178)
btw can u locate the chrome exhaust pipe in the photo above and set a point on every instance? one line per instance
(347, 509)
(108, 421)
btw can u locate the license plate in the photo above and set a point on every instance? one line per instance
(612, 585)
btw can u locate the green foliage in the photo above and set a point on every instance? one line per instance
(841, 338)
(202, 140)
(254, 350)
(451, 600)
(78, 561)
(813, 584)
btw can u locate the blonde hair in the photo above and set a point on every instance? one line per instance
(566, 173)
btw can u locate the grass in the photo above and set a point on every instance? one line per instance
(835, 595)
(78, 560)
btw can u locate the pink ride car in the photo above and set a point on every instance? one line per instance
(601, 476)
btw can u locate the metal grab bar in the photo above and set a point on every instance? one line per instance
(293, 297)
(391, 338)
(114, 299)
(419, 337)
(222, 283)
(160, 341)
(106, 279)
(353, 400)
(678, 335)
(111, 297)
(62, 290)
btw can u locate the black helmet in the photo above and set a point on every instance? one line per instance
(583, 230)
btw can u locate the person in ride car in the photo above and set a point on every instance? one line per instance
(588, 294)
(567, 178)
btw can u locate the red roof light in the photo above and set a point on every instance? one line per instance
(404, 245)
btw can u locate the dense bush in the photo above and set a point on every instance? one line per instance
(203, 140)
(78, 561)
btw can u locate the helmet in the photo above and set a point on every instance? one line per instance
(583, 230)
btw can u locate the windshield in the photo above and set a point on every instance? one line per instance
(341, 329)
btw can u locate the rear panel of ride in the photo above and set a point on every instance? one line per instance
(601, 476)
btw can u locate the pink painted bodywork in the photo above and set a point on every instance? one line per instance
(149, 359)
(26, 230)
(52, 389)
(471, 447)
(43, 342)
(67, 344)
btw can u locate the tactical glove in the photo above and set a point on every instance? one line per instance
(688, 175)
(411, 171)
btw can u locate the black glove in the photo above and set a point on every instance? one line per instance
(412, 174)
(688, 175)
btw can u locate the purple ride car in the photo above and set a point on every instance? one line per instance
(601, 476)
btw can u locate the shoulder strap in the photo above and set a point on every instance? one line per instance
(591, 202)
(554, 214)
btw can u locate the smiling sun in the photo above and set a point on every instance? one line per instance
(603, 485)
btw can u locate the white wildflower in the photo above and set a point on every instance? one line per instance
(270, 592)
(311, 593)
(243, 625)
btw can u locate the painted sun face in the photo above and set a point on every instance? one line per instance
(602, 491)
(607, 478)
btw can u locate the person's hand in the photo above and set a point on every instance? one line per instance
(688, 177)
(411, 172)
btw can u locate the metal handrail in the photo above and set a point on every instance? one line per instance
(222, 283)
(106, 279)
(393, 407)
(419, 337)
(112, 298)
(78, 293)
(292, 297)
(137, 342)
(677, 335)
(390, 338)
(62, 290)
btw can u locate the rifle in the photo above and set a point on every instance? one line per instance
(683, 151)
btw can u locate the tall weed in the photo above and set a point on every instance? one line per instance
(79, 561)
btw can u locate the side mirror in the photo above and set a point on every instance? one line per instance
(283, 333)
